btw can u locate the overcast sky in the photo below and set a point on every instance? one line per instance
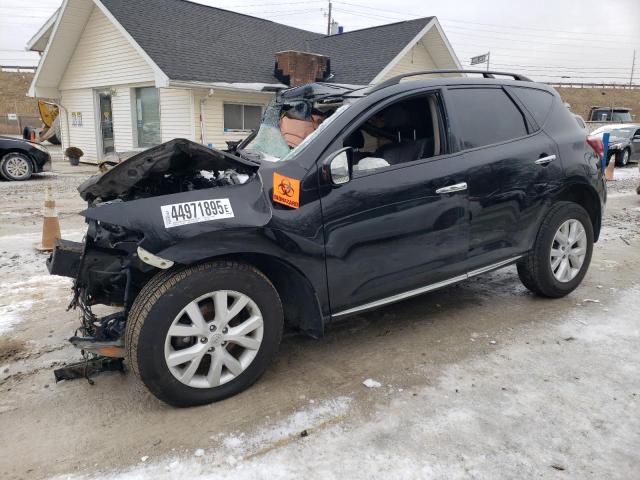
(585, 40)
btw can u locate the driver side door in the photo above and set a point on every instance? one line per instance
(397, 231)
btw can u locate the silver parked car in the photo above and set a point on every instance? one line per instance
(624, 142)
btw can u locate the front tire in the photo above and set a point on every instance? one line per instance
(622, 159)
(16, 166)
(203, 333)
(561, 253)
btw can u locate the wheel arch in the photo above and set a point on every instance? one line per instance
(300, 301)
(587, 197)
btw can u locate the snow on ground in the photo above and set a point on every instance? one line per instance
(485, 417)
(24, 280)
(627, 173)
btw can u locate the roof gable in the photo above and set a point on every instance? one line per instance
(358, 56)
(103, 56)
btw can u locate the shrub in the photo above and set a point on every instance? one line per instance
(74, 152)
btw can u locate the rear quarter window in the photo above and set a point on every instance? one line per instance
(538, 102)
(486, 116)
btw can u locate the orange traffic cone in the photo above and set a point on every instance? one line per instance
(50, 224)
(608, 172)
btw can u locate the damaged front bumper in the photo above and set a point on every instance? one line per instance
(65, 258)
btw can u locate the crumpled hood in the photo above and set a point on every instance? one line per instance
(173, 156)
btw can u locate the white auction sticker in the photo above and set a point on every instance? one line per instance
(196, 212)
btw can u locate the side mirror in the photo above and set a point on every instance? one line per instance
(337, 167)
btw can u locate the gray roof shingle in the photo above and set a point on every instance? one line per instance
(194, 42)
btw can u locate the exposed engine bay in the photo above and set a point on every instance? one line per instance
(173, 167)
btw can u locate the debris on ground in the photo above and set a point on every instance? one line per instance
(371, 383)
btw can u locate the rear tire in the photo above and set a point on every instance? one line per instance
(160, 323)
(541, 271)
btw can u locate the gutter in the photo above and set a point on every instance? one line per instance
(231, 87)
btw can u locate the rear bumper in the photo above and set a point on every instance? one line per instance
(65, 258)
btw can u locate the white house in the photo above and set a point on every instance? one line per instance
(130, 74)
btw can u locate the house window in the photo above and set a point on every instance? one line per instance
(238, 117)
(147, 117)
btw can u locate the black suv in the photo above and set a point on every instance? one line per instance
(403, 188)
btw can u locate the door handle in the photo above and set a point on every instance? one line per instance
(545, 160)
(458, 187)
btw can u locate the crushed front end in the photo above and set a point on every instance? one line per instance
(126, 230)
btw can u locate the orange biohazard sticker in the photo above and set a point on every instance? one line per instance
(286, 190)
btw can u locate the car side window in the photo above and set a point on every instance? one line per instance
(407, 130)
(486, 116)
(538, 102)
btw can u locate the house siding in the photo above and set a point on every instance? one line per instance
(102, 57)
(214, 114)
(418, 58)
(121, 104)
(80, 136)
(177, 118)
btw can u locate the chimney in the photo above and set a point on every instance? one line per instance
(297, 68)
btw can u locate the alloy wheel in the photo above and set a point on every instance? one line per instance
(17, 167)
(568, 250)
(214, 339)
(625, 158)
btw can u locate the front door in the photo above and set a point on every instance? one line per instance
(635, 145)
(397, 227)
(106, 123)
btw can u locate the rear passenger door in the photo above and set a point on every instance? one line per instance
(512, 165)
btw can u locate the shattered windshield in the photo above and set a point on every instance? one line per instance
(287, 128)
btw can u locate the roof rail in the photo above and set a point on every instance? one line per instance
(485, 73)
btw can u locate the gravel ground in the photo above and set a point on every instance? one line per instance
(479, 380)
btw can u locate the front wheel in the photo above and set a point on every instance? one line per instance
(622, 159)
(204, 333)
(16, 166)
(561, 253)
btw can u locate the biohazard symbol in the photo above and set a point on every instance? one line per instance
(286, 190)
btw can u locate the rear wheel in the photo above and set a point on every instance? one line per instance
(204, 333)
(16, 166)
(561, 254)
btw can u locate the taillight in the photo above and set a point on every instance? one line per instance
(597, 145)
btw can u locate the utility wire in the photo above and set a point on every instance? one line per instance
(519, 28)
(506, 36)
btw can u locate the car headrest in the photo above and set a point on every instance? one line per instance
(395, 117)
(355, 140)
